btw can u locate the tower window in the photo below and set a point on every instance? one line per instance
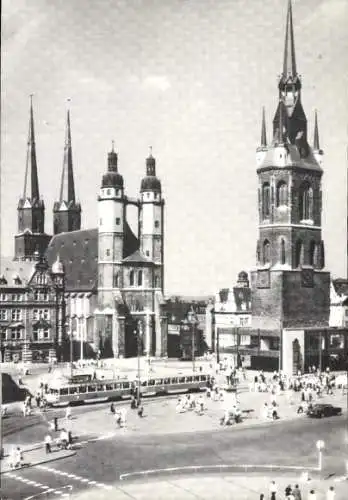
(306, 202)
(131, 278)
(282, 194)
(100, 222)
(157, 282)
(118, 221)
(157, 223)
(298, 253)
(148, 195)
(108, 191)
(282, 251)
(140, 278)
(266, 252)
(115, 281)
(147, 253)
(108, 252)
(312, 254)
(117, 192)
(266, 200)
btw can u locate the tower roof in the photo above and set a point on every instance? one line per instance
(112, 178)
(316, 146)
(67, 185)
(150, 182)
(31, 182)
(289, 63)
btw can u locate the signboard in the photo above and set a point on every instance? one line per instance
(173, 329)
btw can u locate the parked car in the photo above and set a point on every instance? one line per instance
(324, 410)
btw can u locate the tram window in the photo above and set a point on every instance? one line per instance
(174, 380)
(144, 383)
(189, 379)
(100, 387)
(203, 378)
(151, 382)
(196, 378)
(63, 391)
(166, 381)
(109, 387)
(54, 391)
(91, 388)
(181, 380)
(159, 381)
(82, 389)
(73, 390)
(125, 385)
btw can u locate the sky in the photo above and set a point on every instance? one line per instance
(189, 78)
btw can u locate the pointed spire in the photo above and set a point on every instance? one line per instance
(67, 186)
(289, 63)
(31, 182)
(316, 146)
(263, 130)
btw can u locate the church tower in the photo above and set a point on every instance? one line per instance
(151, 220)
(290, 288)
(31, 238)
(66, 211)
(111, 229)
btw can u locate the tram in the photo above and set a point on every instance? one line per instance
(82, 389)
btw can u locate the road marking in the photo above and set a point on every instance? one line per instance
(74, 477)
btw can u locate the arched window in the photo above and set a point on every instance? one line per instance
(306, 202)
(266, 252)
(157, 282)
(298, 253)
(115, 280)
(282, 252)
(140, 278)
(322, 255)
(282, 194)
(312, 254)
(131, 278)
(266, 200)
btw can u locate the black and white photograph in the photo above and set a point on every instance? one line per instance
(174, 250)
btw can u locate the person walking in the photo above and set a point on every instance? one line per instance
(48, 444)
(273, 490)
(312, 495)
(297, 492)
(331, 494)
(55, 420)
(68, 413)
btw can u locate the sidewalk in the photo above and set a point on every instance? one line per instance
(219, 487)
(36, 456)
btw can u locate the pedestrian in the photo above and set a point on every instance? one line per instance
(68, 413)
(112, 408)
(70, 438)
(262, 496)
(18, 457)
(141, 411)
(331, 494)
(48, 443)
(55, 420)
(312, 495)
(273, 490)
(297, 492)
(288, 490)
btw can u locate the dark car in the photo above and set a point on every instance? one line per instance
(324, 410)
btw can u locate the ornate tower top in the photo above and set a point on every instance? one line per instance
(67, 185)
(289, 62)
(150, 182)
(31, 182)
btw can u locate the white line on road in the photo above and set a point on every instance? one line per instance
(74, 477)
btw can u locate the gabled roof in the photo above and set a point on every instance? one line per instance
(340, 286)
(137, 257)
(9, 269)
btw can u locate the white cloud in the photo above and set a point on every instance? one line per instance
(159, 82)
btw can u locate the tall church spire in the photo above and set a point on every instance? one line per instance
(263, 130)
(31, 182)
(289, 63)
(316, 146)
(67, 186)
(66, 211)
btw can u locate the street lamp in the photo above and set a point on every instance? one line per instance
(138, 334)
(192, 317)
(320, 446)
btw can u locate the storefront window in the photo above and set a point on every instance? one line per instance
(336, 341)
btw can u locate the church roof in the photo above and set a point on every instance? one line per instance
(9, 269)
(78, 251)
(292, 159)
(137, 257)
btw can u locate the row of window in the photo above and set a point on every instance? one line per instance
(305, 199)
(16, 314)
(315, 255)
(18, 334)
(18, 297)
(118, 222)
(108, 192)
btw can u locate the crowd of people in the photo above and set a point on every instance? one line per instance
(295, 493)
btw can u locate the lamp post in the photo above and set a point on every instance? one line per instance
(138, 334)
(192, 317)
(320, 446)
(217, 346)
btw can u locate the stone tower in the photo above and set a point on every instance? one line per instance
(290, 288)
(66, 211)
(151, 220)
(31, 237)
